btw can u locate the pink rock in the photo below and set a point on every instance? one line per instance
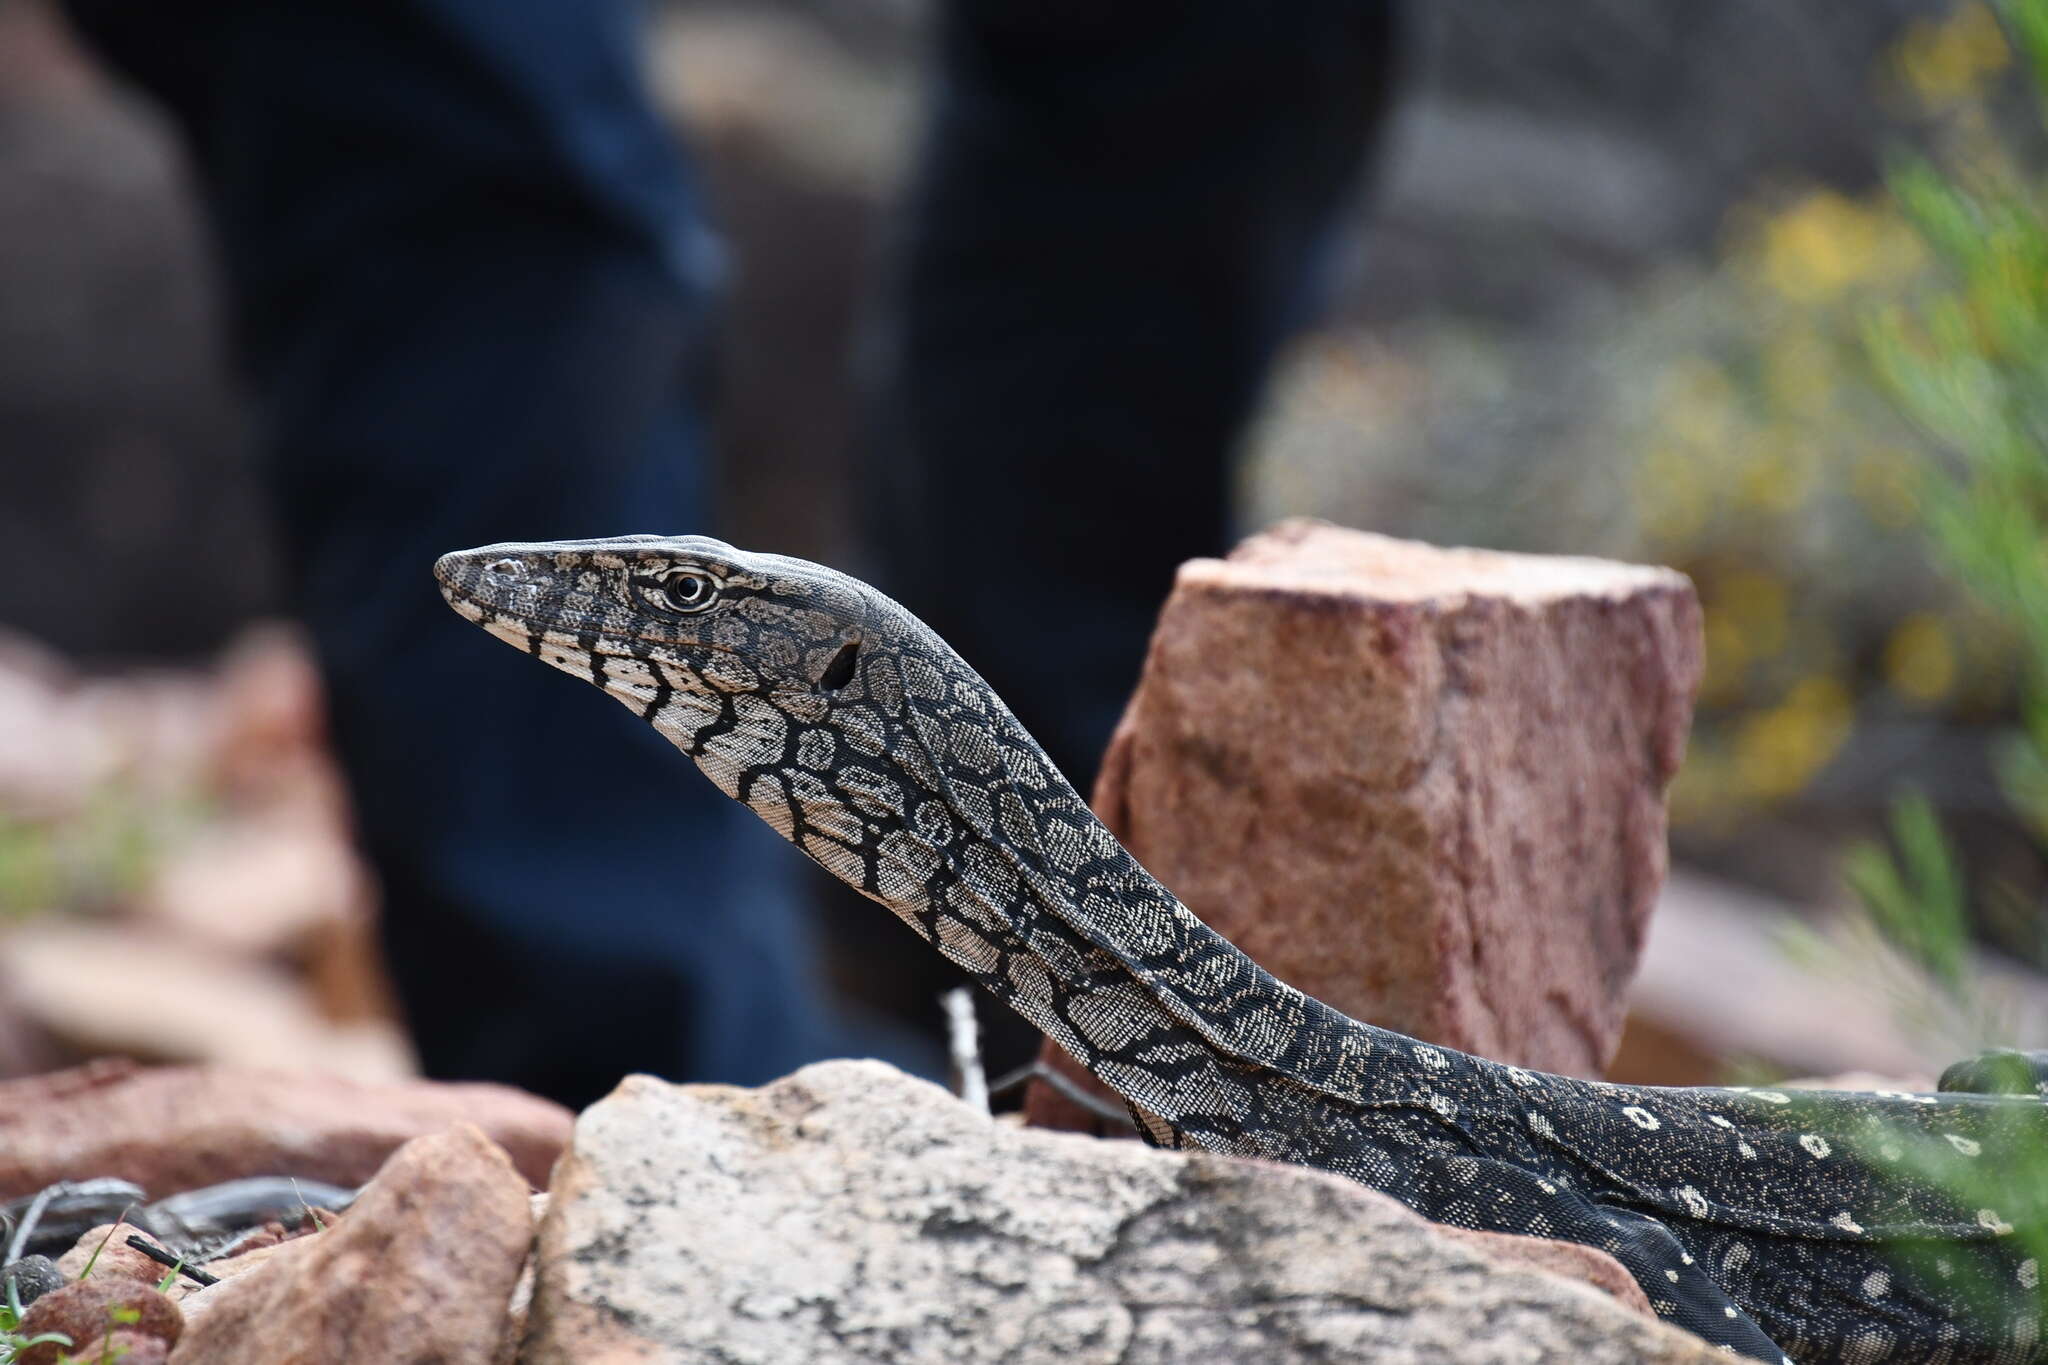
(1573, 1260)
(92, 1308)
(1423, 785)
(197, 1300)
(105, 1248)
(422, 1269)
(125, 1347)
(178, 1128)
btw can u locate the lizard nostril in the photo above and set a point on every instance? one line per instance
(506, 568)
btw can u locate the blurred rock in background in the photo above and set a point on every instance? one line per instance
(131, 526)
(176, 876)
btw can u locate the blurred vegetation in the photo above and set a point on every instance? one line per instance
(91, 858)
(1848, 451)
(1835, 411)
(1886, 398)
(1991, 1174)
(1960, 358)
(1931, 298)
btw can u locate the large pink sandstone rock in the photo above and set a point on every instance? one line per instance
(178, 1128)
(1423, 785)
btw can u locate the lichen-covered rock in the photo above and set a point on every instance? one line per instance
(421, 1269)
(851, 1213)
(1425, 786)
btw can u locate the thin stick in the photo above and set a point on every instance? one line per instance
(177, 1263)
(963, 1040)
(1038, 1070)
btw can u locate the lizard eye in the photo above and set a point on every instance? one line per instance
(688, 590)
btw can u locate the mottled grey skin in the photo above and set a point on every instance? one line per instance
(1755, 1218)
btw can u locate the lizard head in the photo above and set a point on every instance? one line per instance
(678, 628)
(836, 715)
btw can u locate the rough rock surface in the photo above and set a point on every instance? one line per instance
(114, 1258)
(198, 1300)
(124, 1347)
(177, 1128)
(29, 1278)
(1573, 1260)
(852, 1213)
(1425, 786)
(87, 1310)
(105, 1248)
(421, 1269)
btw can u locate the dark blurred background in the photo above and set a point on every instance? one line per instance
(1544, 168)
(1594, 302)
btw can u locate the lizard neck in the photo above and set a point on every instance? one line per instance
(934, 800)
(1033, 894)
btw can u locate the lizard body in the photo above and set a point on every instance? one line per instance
(1770, 1223)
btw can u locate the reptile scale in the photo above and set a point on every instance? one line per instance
(1770, 1223)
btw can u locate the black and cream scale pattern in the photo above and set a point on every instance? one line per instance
(1794, 1226)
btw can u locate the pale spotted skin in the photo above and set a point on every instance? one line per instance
(1762, 1221)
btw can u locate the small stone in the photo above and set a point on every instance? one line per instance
(32, 1277)
(256, 886)
(1799, 1016)
(422, 1269)
(197, 1300)
(105, 1248)
(88, 1309)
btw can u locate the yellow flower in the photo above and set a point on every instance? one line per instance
(1822, 245)
(1948, 61)
(1778, 751)
(1920, 659)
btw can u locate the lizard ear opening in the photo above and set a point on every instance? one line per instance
(839, 672)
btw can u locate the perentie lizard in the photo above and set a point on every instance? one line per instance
(1778, 1225)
